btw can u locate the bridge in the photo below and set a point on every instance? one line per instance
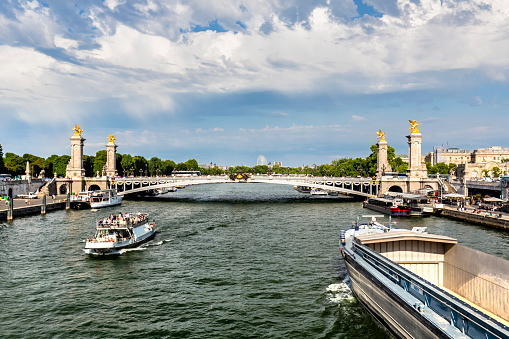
(361, 187)
(414, 180)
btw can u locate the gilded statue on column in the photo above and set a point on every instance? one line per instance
(112, 139)
(413, 126)
(77, 131)
(381, 136)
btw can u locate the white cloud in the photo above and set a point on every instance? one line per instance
(358, 118)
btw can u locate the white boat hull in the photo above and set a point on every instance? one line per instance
(142, 234)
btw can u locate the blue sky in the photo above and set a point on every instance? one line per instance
(302, 82)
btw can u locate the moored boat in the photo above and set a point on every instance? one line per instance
(393, 206)
(318, 191)
(421, 285)
(80, 200)
(303, 189)
(116, 233)
(105, 198)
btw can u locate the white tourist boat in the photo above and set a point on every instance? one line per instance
(421, 285)
(105, 198)
(120, 232)
(318, 191)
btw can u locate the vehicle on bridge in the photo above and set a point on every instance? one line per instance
(119, 232)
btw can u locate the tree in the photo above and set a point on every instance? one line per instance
(261, 169)
(56, 164)
(181, 167)
(88, 164)
(167, 167)
(496, 172)
(14, 164)
(127, 163)
(100, 161)
(153, 165)
(118, 164)
(139, 163)
(36, 163)
(2, 167)
(192, 164)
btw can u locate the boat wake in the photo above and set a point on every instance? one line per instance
(336, 293)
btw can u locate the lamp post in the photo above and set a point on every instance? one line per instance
(146, 169)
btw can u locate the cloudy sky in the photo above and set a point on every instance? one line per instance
(300, 81)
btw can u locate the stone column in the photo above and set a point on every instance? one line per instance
(75, 169)
(416, 170)
(111, 157)
(382, 162)
(415, 167)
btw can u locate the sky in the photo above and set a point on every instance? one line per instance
(300, 81)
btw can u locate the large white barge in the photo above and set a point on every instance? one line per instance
(420, 285)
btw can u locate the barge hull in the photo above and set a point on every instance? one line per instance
(399, 318)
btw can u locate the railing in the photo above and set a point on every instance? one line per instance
(466, 318)
(122, 223)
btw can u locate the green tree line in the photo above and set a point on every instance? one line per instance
(126, 164)
(136, 165)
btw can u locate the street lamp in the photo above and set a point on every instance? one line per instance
(146, 170)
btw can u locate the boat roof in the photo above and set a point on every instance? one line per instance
(402, 235)
(406, 195)
(383, 199)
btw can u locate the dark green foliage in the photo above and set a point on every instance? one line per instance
(56, 164)
(14, 164)
(88, 164)
(181, 167)
(192, 165)
(440, 168)
(100, 161)
(260, 169)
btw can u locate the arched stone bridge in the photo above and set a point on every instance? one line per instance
(362, 187)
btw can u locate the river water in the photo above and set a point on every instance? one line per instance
(230, 261)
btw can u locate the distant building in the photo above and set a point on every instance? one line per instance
(278, 163)
(472, 164)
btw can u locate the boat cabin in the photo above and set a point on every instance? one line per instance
(477, 278)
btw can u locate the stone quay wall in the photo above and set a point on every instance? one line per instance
(481, 219)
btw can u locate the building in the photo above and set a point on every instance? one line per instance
(473, 164)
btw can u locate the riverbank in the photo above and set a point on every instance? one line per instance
(27, 207)
(495, 219)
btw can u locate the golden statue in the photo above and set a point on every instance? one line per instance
(381, 136)
(77, 131)
(413, 126)
(112, 139)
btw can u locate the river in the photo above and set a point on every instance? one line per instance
(229, 261)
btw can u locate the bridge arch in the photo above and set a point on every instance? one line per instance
(361, 187)
(62, 189)
(94, 188)
(396, 188)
